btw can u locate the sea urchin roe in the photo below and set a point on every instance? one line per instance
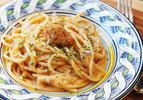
(58, 35)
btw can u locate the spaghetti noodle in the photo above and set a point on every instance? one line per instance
(54, 53)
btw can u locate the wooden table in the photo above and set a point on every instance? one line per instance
(138, 21)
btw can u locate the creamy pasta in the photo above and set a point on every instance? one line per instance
(54, 53)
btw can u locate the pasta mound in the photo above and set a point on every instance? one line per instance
(54, 53)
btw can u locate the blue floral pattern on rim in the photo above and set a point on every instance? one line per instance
(120, 29)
